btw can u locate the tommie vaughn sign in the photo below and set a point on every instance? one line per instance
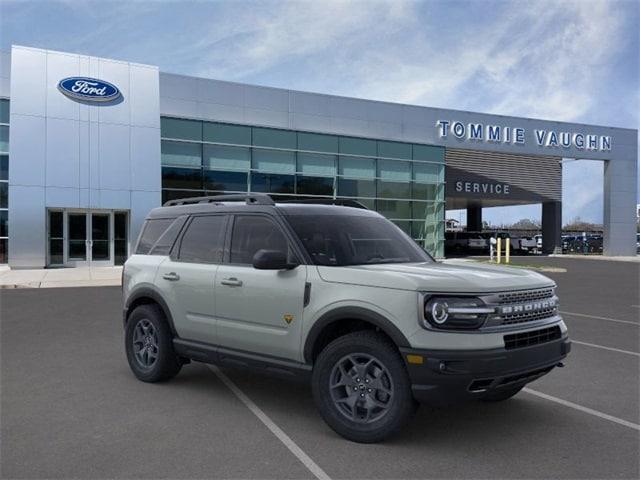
(478, 132)
(88, 89)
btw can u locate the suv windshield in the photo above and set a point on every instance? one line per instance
(341, 240)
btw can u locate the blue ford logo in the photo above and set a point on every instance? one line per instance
(89, 89)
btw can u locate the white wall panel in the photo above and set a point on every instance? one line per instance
(28, 81)
(223, 93)
(145, 159)
(28, 226)
(115, 156)
(62, 197)
(27, 140)
(115, 199)
(118, 74)
(62, 168)
(59, 66)
(144, 97)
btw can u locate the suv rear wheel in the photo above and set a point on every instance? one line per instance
(149, 345)
(361, 387)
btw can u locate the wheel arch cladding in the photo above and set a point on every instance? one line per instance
(148, 296)
(344, 320)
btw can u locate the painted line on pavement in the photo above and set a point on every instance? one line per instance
(601, 318)
(628, 352)
(580, 408)
(271, 425)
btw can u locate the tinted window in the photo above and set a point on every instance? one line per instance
(204, 240)
(164, 244)
(252, 233)
(341, 240)
(151, 233)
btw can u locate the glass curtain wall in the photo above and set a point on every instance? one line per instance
(402, 181)
(4, 181)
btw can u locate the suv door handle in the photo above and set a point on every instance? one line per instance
(231, 282)
(171, 276)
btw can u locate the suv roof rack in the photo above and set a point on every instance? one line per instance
(248, 198)
(343, 202)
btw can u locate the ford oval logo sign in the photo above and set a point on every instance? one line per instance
(88, 89)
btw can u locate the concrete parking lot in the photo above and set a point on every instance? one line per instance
(71, 408)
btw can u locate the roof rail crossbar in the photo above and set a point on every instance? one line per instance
(343, 202)
(248, 198)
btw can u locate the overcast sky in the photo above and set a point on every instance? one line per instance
(560, 60)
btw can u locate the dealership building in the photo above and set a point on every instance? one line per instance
(88, 146)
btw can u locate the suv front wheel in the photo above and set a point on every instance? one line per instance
(149, 345)
(361, 387)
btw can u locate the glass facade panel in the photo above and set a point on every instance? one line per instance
(4, 195)
(274, 161)
(182, 129)
(425, 191)
(224, 133)
(178, 194)
(266, 183)
(181, 154)
(227, 158)
(225, 181)
(394, 208)
(190, 178)
(120, 227)
(271, 137)
(358, 146)
(394, 189)
(348, 187)
(4, 223)
(394, 171)
(394, 150)
(4, 111)
(297, 165)
(428, 153)
(357, 167)
(318, 143)
(4, 139)
(314, 185)
(317, 164)
(428, 173)
(4, 167)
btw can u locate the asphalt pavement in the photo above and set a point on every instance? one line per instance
(71, 408)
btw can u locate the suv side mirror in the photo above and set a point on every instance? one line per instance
(272, 260)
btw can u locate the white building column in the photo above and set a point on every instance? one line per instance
(620, 199)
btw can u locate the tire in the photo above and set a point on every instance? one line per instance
(147, 329)
(501, 394)
(383, 402)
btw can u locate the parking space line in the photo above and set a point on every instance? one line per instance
(601, 318)
(270, 424)
(628, 352)
(590, 411)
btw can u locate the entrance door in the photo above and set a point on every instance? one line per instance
(100, 241)
(87, 238)
(77, 239)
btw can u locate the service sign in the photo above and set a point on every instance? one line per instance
(88, 89)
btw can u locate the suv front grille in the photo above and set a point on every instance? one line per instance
(534, 337)
(529, 296)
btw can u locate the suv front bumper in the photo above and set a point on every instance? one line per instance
(449, 376)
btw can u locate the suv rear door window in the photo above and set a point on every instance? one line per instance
(203, 242)
(252, 233)
(167, 239)
(153, 229)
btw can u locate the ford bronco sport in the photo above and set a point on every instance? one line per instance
(338, 295)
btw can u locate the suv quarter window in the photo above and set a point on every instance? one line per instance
(203, 239)
(151, 232)
(251, 233)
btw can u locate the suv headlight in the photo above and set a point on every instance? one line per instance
(455, 313)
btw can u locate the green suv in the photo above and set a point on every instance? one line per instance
(338, 295)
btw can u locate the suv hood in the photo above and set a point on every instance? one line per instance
(448, 276)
